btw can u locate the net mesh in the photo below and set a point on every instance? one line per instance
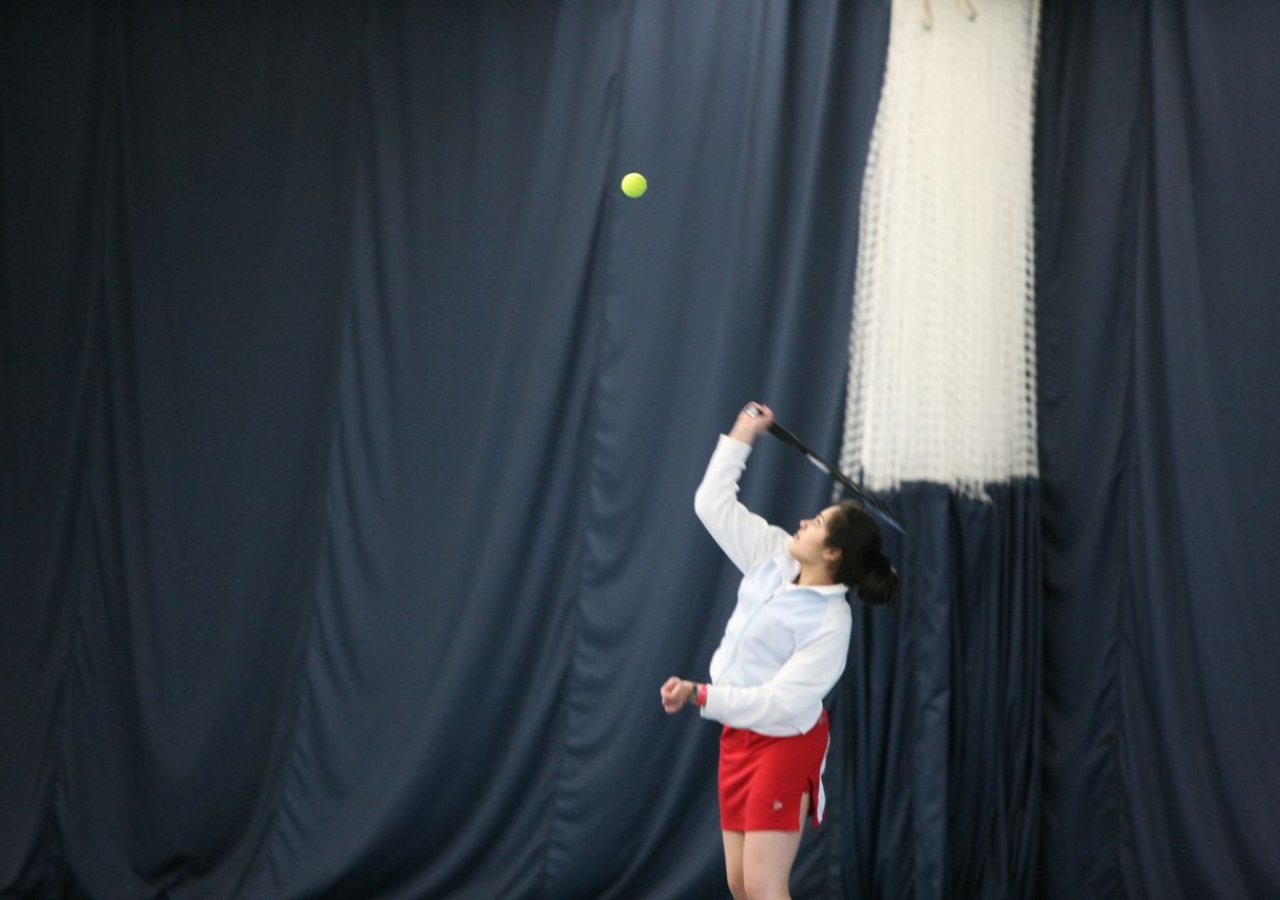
(942, 350)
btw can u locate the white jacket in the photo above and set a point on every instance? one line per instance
(785, 646)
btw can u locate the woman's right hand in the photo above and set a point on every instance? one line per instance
(749, 425)
(675, 693)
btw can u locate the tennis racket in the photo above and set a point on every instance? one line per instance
(872, 504)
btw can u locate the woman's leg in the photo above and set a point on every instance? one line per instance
(733, 864)
(767, 857)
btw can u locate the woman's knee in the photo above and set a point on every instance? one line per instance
(758, 885)
(766, 865)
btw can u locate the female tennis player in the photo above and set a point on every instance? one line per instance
(783, 650)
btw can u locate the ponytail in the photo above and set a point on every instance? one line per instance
(863, 565)
(880, 585)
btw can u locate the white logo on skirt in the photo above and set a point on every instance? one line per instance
(777, 805)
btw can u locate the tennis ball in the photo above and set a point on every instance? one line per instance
(634, 184)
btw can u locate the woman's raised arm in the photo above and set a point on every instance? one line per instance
(745, 537)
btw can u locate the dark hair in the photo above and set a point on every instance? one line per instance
(863, 565)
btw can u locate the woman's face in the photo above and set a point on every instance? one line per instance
(810, 540)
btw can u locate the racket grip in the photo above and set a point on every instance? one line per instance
(787, 437)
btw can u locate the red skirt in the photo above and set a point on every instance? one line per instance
(763, 779)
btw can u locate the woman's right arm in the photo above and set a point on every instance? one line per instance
(745, 537)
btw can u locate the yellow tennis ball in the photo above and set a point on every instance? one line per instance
(634, 184)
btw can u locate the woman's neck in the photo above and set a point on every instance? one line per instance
(813, 576)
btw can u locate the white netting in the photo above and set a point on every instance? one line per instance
(942, 351)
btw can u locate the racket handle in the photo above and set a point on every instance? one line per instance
(788, 438)
(785, 436)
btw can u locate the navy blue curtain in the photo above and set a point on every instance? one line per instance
(176, 226)
(1159, 318)
(938, 719)
(351, 422)
(350, 418)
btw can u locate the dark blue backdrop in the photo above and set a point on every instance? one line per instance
(351, 419)
(1159, 314)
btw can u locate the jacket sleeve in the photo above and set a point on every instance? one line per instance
(804, 679)
(745, 537)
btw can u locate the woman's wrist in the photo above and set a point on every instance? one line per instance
(696, 694)
(743, 435)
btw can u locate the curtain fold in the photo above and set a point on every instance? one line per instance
(351, 417)
(936, 780)
(1158, 422)
(373, 414)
